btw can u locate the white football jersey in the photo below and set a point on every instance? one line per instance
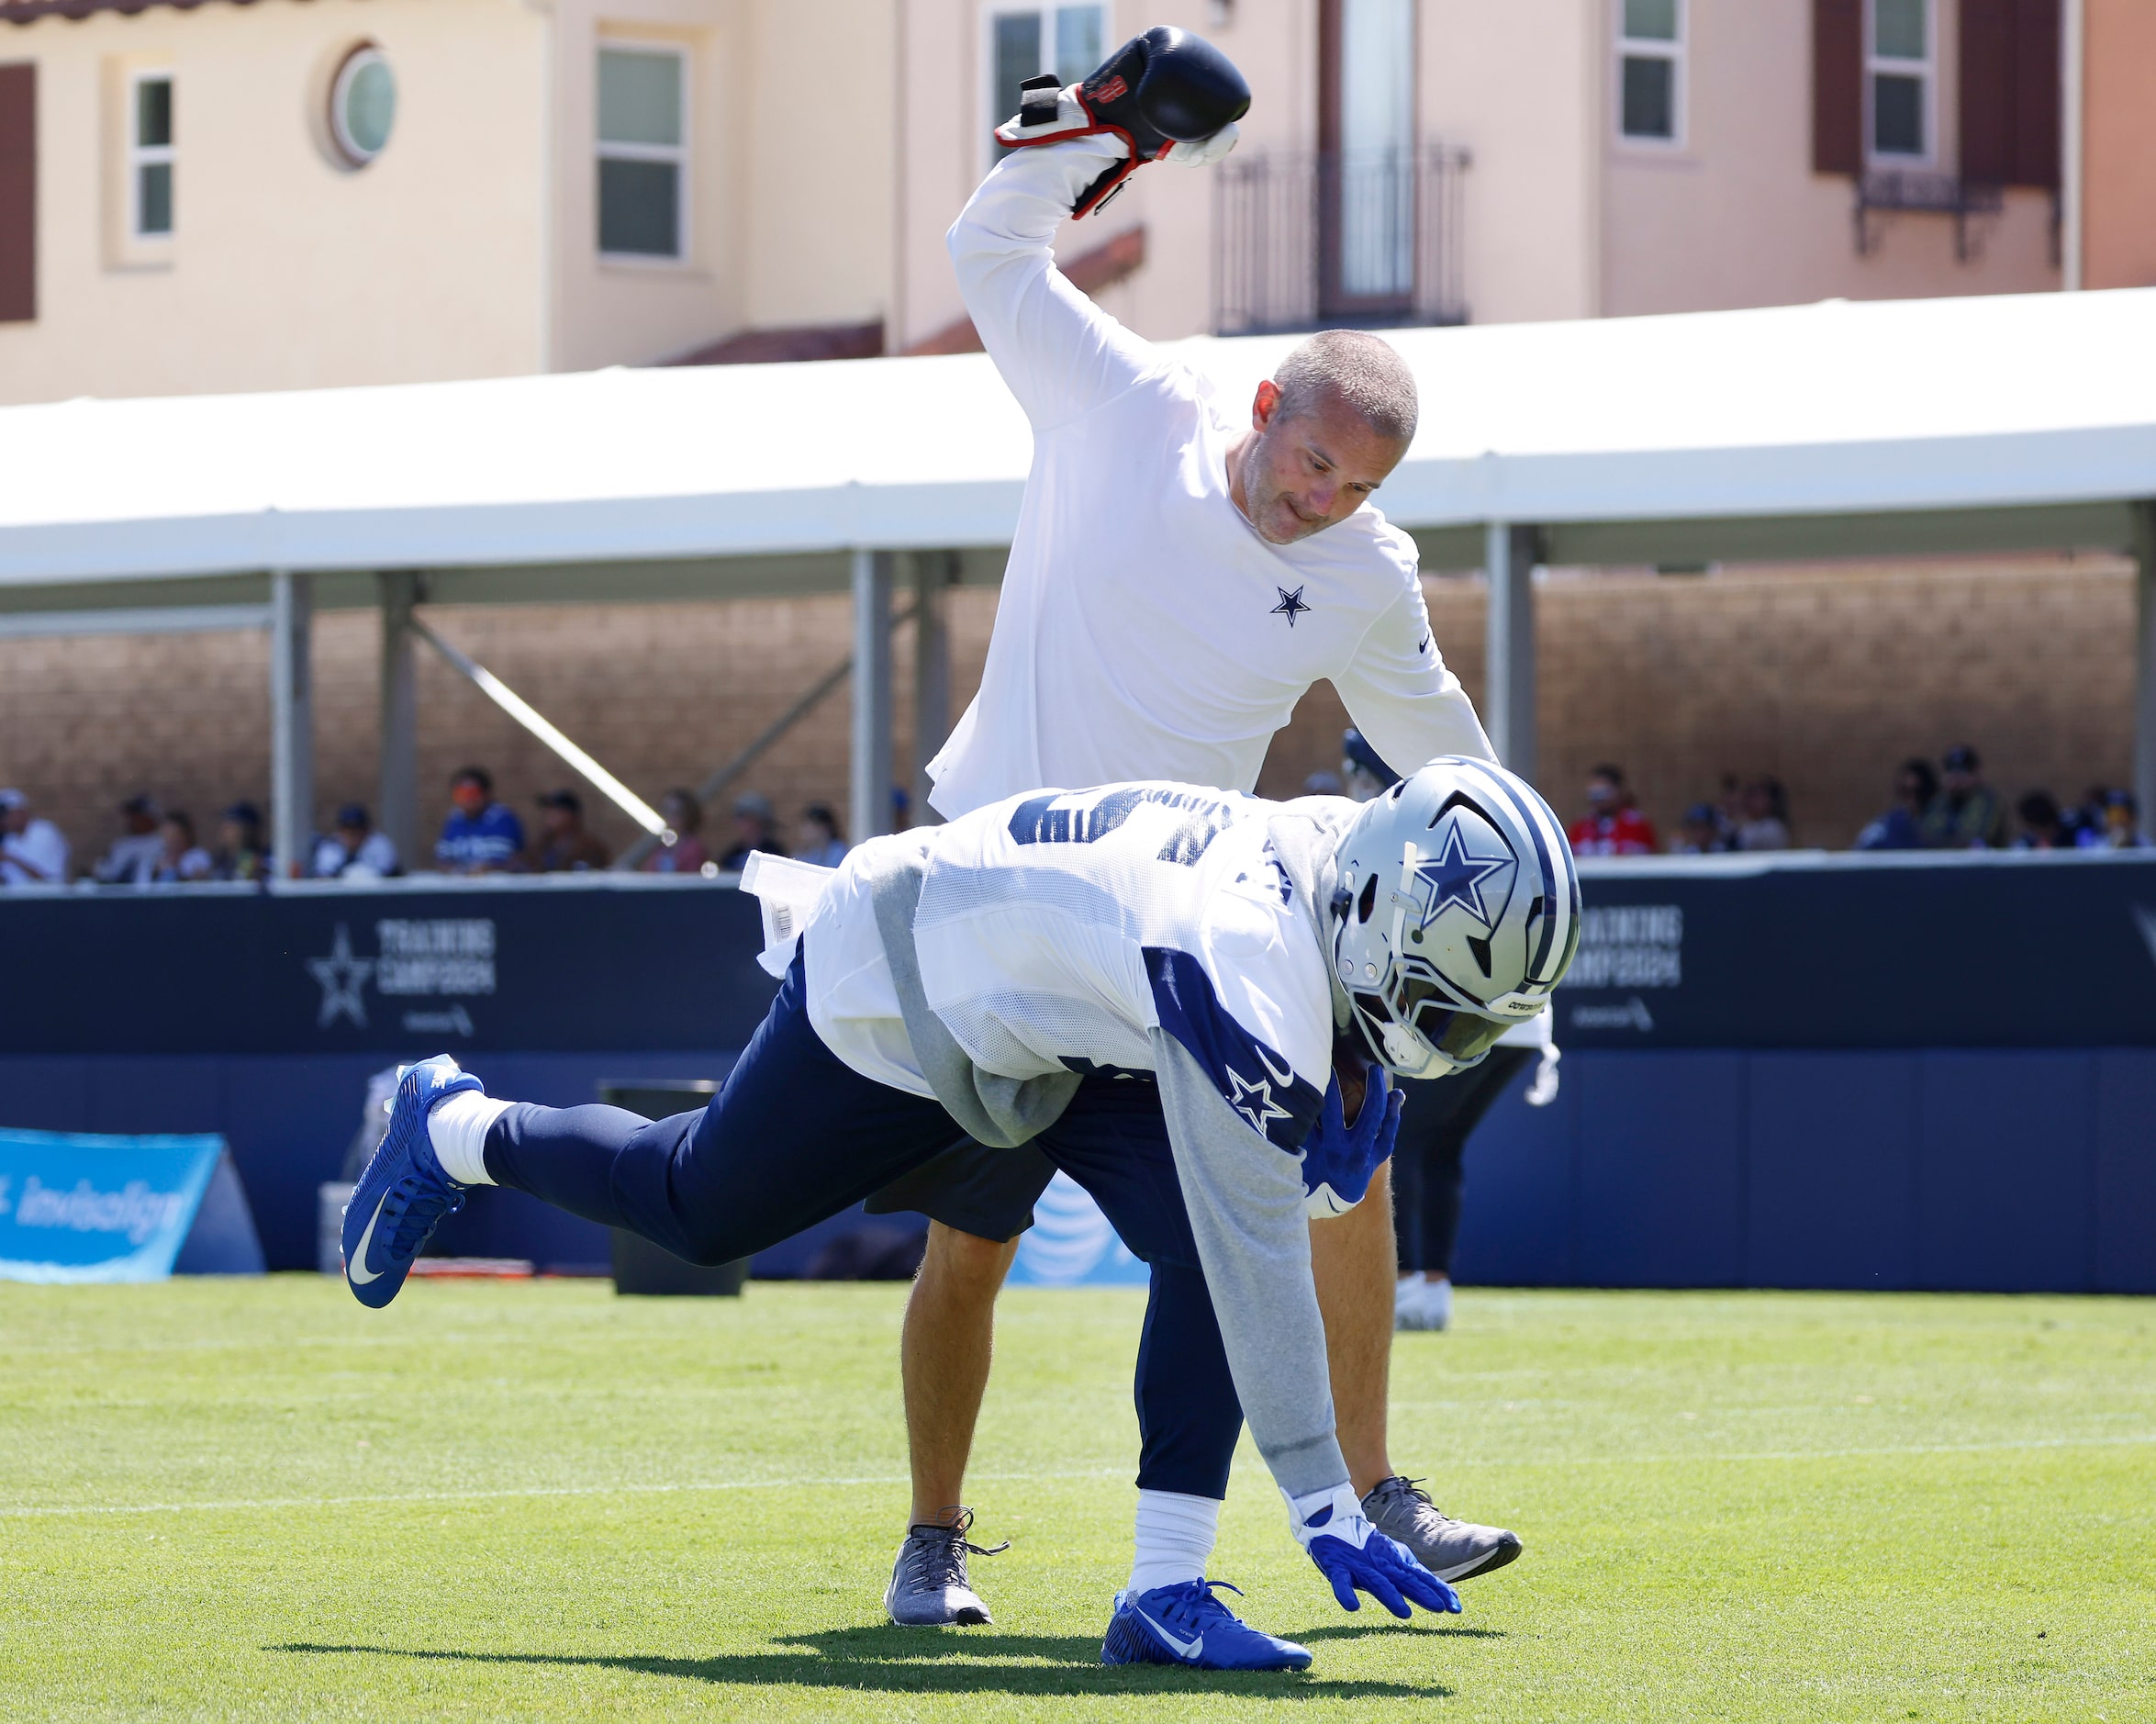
(1057, 930)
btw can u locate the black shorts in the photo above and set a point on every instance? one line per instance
(990, 1194)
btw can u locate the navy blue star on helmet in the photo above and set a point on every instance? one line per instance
(1454, 878)
(1290, 605)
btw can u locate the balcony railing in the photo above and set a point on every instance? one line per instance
(1309, 239)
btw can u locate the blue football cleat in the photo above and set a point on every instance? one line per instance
(1185, 1624)
(404, 1195)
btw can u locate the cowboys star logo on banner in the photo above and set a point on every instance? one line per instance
(1473, 872)
(343, 979)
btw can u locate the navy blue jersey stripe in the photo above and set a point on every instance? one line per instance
(1254, 1080)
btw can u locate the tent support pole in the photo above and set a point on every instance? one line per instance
(396, 783)
(292, 724)
(934, 574)
(2144, 764)
(1508, 559)
(870, 805)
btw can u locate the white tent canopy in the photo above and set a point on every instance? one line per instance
(1834, 428)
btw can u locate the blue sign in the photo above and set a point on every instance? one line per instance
(81, 1208)
(1071, 1244)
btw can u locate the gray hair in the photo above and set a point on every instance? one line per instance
(1360, 372)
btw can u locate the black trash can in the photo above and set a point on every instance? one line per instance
(640, 1266)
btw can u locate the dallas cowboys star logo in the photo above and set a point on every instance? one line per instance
(1290, 605)
(1456, 878)
(1254, 1101)
(343, 979)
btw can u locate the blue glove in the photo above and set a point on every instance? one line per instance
(1338, 1160)
(1355, 1557)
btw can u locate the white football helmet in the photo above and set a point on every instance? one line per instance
(1457, 912)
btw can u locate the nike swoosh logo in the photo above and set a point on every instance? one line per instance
(1424, 642)
(356, 1271)
(1282, 1075)
(1182, 1648)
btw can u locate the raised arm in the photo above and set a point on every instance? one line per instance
(1059, 353)
(1403, 695)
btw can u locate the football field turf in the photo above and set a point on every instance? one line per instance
(256, 1500)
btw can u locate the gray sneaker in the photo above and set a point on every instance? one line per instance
(928, 1585)
(1451, 1549)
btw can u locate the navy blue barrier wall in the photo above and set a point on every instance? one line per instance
(1920, 1072)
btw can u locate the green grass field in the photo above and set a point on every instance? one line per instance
(537, 1500)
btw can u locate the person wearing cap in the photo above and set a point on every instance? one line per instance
(565, 845)
(353, 850)
(481, 835)
(1967, 814)
(241, 854)
(755, 827)
(33, 852)
(134, 855)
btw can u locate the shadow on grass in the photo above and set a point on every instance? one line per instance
(1392, 1625)
(907, 1661)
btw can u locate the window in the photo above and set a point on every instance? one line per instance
(642, 152)
(1898, 78)
(18, 193)
(149, 155)
(1368, 190)
(1651, 68)
(1024, 41)
(363, 106)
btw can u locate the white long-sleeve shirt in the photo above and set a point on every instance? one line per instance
(1144, 629)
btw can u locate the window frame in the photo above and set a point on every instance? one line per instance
(140, 155)
(1045, 11)
(1924, 72)
(677, 154)
(347, 74)
(1676, 51)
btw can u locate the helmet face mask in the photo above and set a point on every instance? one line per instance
(1459, 911)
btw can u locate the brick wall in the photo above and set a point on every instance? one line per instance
(1826, 677)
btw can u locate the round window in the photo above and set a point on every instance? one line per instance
(363, 106)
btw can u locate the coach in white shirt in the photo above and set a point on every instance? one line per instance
(1180, 576)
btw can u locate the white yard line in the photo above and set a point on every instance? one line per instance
(539, 1491)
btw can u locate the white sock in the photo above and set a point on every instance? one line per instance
(1175, 1539)
(457, 1129)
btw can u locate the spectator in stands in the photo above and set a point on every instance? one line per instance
(180, 859)
(755, 827)
(565, 845)
(1967, 814)
(2043, 825)
(1363, 773)
(481, 835)
(2085, 825)
(241, 854)
(2122, 826)
(1322, 784)
(353, 850)
(136, 853)
(817, 838)
(32, 851)
(1613, 824)
(1902, 826)
(1765, 825)
(1702, 833)
(687, 855)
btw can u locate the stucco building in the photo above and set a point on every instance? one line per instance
(231, 196)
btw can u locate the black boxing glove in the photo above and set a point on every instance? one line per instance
(1169, 95)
